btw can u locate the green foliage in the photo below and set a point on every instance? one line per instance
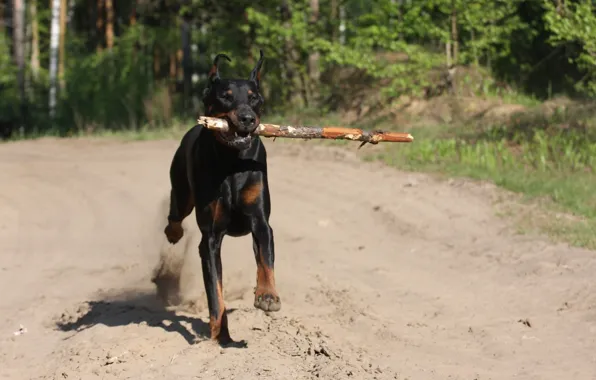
(488, 27)
(109, 88)
(8, 83)
(385, 47)
(576, 23)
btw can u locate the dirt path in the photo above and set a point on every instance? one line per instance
(382, 274)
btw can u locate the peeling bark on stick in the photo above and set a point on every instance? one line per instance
(308, 132)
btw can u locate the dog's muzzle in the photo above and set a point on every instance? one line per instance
(246, 120)
(242, 123)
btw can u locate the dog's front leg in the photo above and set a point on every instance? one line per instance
(266, 297)
(210, 251)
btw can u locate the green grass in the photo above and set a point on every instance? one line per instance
(513, 97)
(553, 166)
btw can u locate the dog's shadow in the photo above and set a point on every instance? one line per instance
(140, 309)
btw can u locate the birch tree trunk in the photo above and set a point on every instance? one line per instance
(342, 24)
(35, 65)
(19, 47)
(54, 44)
(63, 9)
(454, 36)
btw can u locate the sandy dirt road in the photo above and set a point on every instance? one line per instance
(382, 274)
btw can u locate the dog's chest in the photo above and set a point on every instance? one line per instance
(243, 191)
(239, 200)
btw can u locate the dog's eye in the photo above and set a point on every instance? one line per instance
(227, 96)
(253, 98)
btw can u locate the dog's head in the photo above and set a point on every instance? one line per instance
(238, 101)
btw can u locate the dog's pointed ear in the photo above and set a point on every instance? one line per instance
(214, 72)
(255, 74)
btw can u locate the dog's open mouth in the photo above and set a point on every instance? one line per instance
(235, 139)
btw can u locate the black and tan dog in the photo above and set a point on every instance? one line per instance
(223, 176)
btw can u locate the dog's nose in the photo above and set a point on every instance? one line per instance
(247, 119)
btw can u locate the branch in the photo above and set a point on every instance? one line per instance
(307, 132)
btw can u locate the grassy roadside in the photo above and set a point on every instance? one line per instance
(551, 168)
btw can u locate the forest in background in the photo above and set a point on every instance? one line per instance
(75, 65)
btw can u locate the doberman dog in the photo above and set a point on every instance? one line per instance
(223, 176)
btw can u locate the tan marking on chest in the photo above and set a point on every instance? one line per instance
(251, 193)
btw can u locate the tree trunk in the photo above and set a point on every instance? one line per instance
(62, 48)
(342, 25)
(173, 72)
(35, 65)
(133, 14)
(19, 47)
(54, 44)
(293, 61)
(286, 16)
(99, 24)
(132, 22)
(333, 15)
(474, 48)
(109, 24)
(2, 17)
(70, 13)
(248, 41)
(313, 59)
(6, 22)
(186, 34)
(400, 17)
(454, 37)
(156, 62)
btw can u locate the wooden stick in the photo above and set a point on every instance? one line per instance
(306, 132)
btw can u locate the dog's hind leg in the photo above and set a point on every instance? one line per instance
(210, 252)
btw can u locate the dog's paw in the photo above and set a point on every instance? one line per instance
(267, 302)
(174, 232)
